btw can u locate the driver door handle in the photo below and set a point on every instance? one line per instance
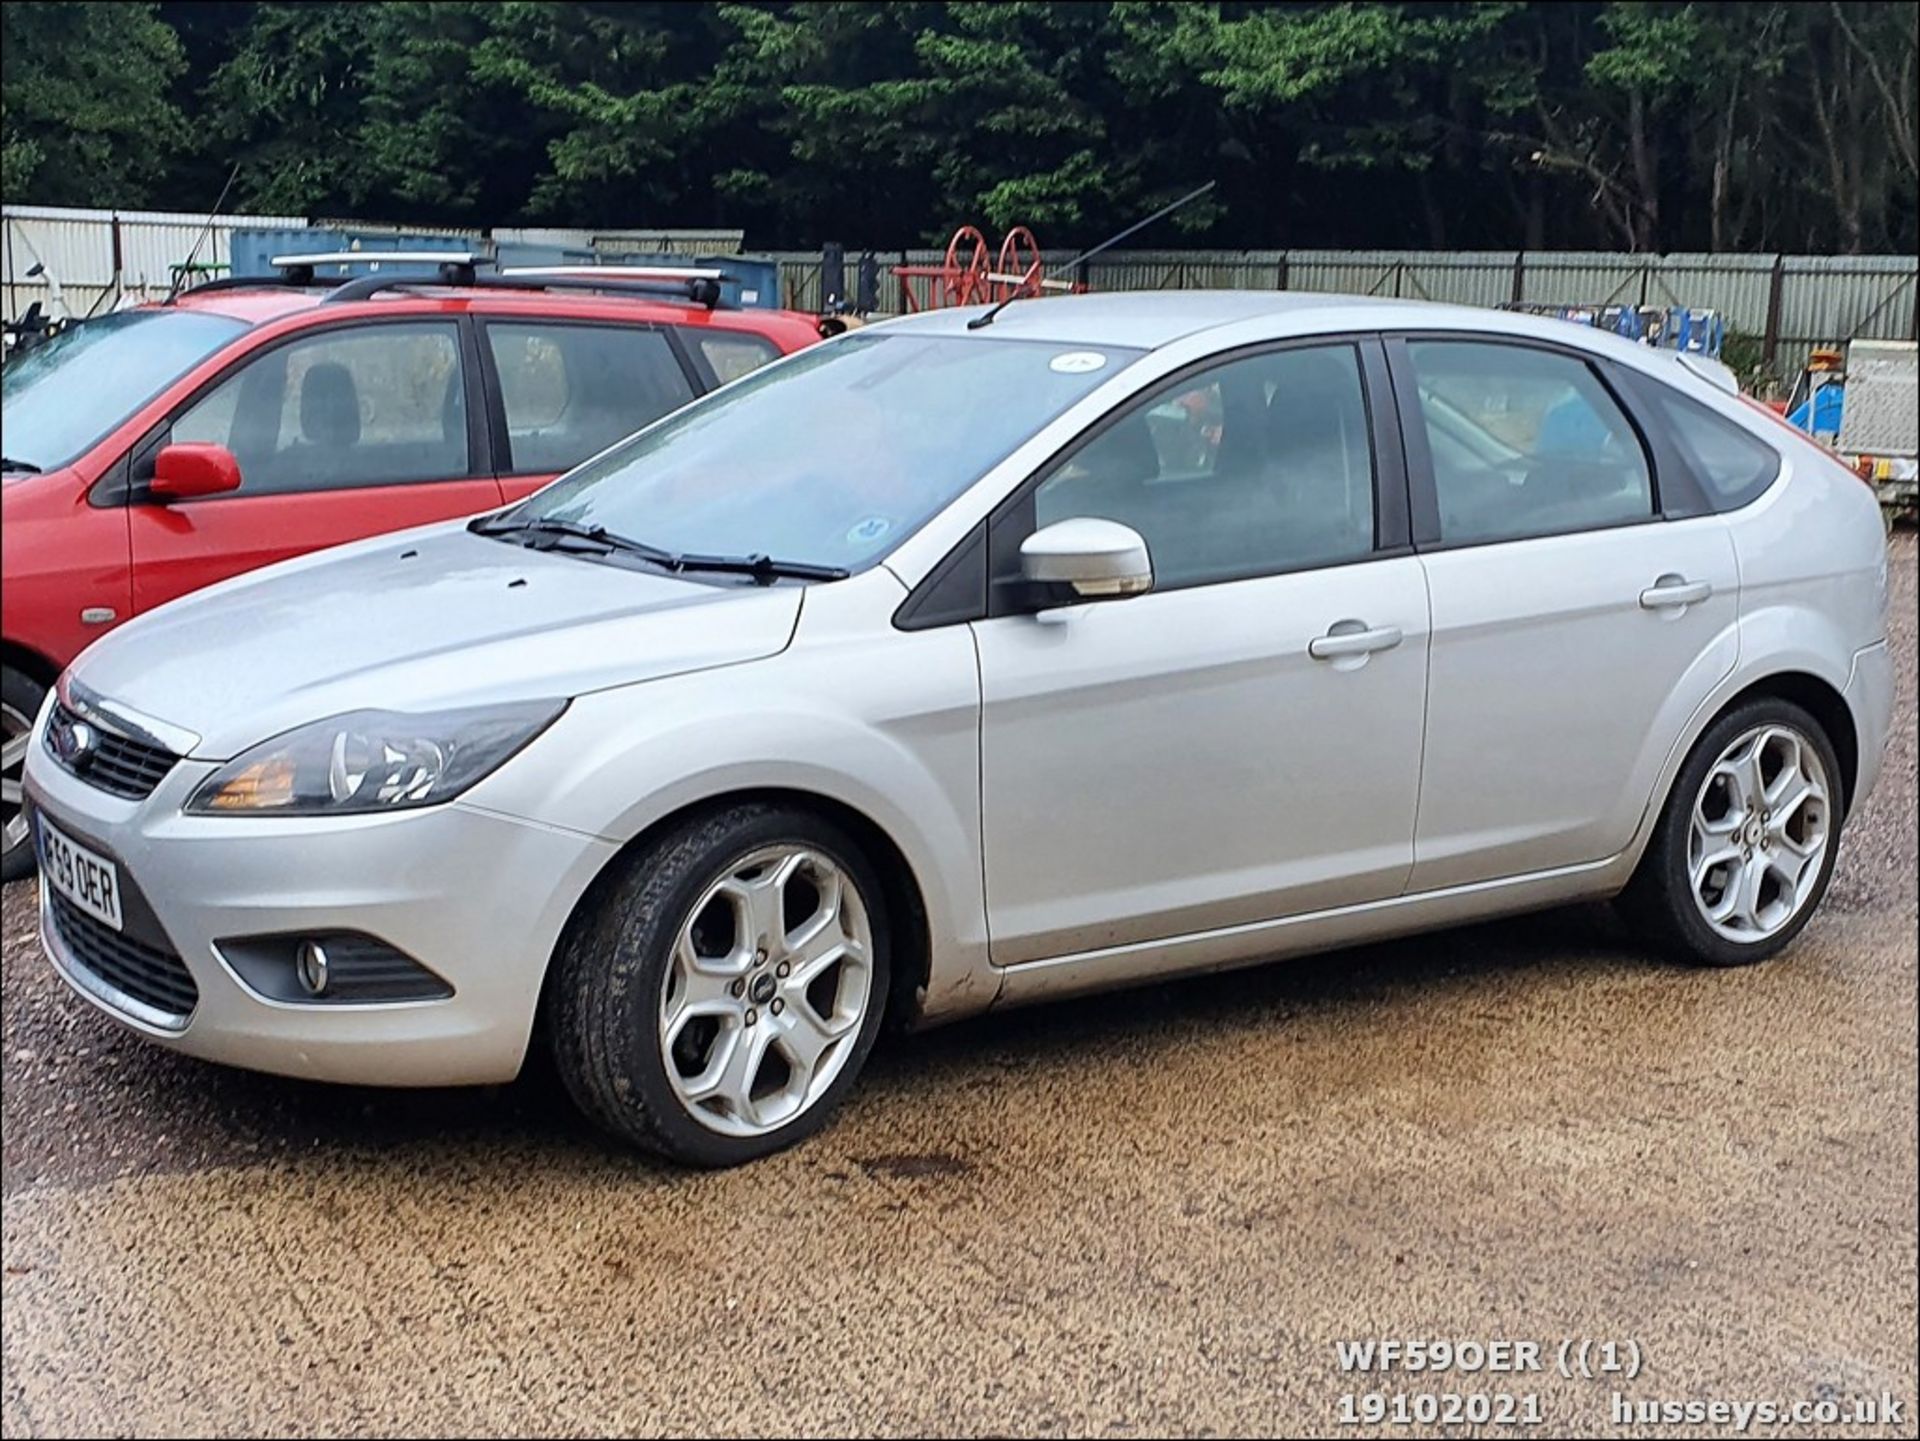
(1337, 642)
(1672, 591)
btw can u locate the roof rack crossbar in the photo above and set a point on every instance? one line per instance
(696, 285)
(295, 272)
(388, 257)
(697, 291)
(615, 272)
(250, 282)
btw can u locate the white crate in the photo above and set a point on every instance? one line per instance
(1882, 411)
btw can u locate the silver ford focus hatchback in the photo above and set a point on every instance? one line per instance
(939, 668)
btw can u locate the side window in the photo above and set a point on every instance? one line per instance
(570, 391)
(1525, 442)
(1733, 467)
(375, 405)
(732, 354)
(1259, 465)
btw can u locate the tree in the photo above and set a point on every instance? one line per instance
(1645, 124)
(1393, 91)
(612, 103)
(1858, 73)
(83, 102)
(286, 106)
(1603, 84)
(843, 92)
(1744, 53)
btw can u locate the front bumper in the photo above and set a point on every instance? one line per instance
(478, 898)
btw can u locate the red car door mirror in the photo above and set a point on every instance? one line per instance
(191, 468)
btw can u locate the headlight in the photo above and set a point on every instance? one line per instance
(372, 760)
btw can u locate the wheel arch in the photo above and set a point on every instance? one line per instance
(910, 966)
(1798, 678)
(29, 662)
(1820, 699)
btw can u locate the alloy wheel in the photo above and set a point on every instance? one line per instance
(1760, 829)
(766, 990)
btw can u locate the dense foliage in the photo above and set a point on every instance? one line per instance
(1756, 125)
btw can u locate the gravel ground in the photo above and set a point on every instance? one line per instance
(1148, 1212)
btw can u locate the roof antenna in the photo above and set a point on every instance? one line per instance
(185, 268)
(1035, 274)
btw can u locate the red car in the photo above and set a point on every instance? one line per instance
(159, 449)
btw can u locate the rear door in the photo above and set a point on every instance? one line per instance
(1579, 616)
(568, 389)
(341, 432)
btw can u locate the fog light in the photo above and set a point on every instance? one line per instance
(312, 967)
(333, 968)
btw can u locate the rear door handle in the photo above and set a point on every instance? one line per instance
(1672, 591)
(1339, 642)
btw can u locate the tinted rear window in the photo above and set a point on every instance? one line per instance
(1733, 466)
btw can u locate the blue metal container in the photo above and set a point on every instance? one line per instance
(754, 282)
(757, 282)
(520, 252)
(252, 251)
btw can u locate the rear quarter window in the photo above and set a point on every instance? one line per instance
(733, 354)
(1733, 466)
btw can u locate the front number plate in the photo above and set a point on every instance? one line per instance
(90, 881)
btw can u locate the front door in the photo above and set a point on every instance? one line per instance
(1242, 743)
(341, 434)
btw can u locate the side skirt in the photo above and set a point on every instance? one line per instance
(1140, 963)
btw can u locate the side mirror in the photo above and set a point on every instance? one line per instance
(190, 468)
(1090, 559)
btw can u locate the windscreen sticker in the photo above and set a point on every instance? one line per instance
(1077, 362)
(869, 530)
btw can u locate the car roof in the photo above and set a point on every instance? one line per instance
(1149, 319)
(273, 302)
(1143, 319)
(253, 306)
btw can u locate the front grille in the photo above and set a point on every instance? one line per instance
(151, 975)
(117, 764)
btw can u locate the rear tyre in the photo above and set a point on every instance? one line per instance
(20, 700)
(1746, 845)
(714, 1000)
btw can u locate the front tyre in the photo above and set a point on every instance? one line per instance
(715, 999)
(20, 700)
(1744, 850)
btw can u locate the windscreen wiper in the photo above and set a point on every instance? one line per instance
(22, 467)
(552, 533)
(765, 569)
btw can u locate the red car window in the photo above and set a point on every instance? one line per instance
(732, 354)
(570, 391)
(342, 408)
